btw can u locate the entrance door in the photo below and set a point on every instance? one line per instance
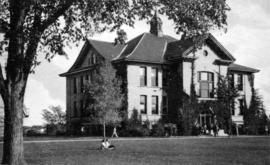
(206, 119)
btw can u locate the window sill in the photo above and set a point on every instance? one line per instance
(150, 114)
(154, 87)
(206, 98)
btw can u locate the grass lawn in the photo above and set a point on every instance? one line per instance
(208, 151)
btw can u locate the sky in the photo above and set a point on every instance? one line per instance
(247, 38)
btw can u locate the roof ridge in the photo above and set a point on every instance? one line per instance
(79, 56)
(136, 45)
(170, 37)
(164, 50)
(210, 35)
(119, 55)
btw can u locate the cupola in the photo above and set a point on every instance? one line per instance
(156, 25)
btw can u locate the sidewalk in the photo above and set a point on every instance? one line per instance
(93, 139)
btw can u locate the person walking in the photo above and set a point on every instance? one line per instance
(266, 130)
(215, 129)
(114, 134)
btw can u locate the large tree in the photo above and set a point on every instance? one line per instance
(48, 25)
(54, 116)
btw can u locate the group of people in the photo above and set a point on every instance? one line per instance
(207, 129)
(105, 144)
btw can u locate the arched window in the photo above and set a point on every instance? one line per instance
(206, 80)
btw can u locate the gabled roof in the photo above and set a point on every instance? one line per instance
(241, 68)
(150, 48)
(178, 49)
(108, 50)
(182, 48)
(146, 48)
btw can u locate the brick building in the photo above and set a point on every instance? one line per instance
(158, 71)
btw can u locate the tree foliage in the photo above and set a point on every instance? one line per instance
(54, 116)
(105, 92)
(255, 118)
(189, 115)
(33, 26)
(226, 96)
(134, 126)
(54, 23)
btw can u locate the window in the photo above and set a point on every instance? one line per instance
(143, 76)
(143, 104)
(165, 77)
(233, 108)
(164, 105)
(91, 76)
(233, 112)
(75, 109)
(240, 82)
(82, 85)
(94, 60)
(74, 85)
(89, 61)
(82, 108)
(87, 78)
(154, 77)
(155, 105)
(231, 80)
(206, 80)
(241, 106)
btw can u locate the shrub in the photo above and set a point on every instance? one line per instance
(133, 127)
(135, 132)
(158, 129)
(33, 133)
(56, 130)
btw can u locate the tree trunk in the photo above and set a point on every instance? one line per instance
(104, 130)
(13, 129)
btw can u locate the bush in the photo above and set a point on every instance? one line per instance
(158, 130)
(135, 132)
(33, 133)
(133, 127)
(55, 130)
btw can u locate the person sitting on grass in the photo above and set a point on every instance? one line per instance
(106, 145)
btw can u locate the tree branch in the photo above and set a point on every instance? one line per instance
(60, 11)
(33, 42)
